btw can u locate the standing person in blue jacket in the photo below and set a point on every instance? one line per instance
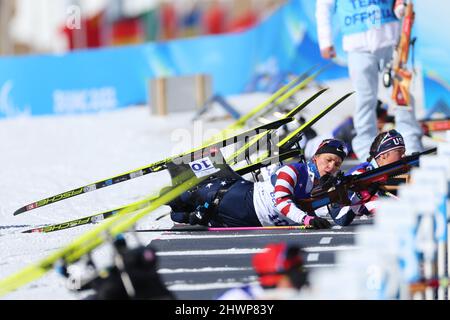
(221, 202)
(370, 31)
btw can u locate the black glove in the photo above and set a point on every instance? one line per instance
(316, 222)
(325, 183)
(374, 188)
(201, 216)
(180, 217)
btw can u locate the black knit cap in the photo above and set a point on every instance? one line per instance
(333, 146)
(385, 142)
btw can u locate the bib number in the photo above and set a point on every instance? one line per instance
(203, 167)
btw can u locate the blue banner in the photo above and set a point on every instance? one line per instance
(79, 82)
(104, 79)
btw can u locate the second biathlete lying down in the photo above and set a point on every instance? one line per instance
(223, 202)
(387, 147)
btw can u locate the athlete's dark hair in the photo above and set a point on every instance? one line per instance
(375, 145)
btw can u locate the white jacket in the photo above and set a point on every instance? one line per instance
(371, 40)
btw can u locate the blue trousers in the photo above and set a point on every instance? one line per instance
(235, 209)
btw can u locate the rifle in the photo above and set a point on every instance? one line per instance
(401, 77)
(373, 179)
(435, 125)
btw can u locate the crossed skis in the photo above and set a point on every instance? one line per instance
(121, 220)
(285, 152)
(226, 134)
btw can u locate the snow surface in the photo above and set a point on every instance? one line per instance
(44, 156)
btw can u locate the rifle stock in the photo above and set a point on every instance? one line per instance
(401, 84)
(402, 77)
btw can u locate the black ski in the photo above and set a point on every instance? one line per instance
(154, 167)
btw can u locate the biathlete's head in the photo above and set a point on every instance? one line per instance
(281, 266)
(387, 147)
(329, 156)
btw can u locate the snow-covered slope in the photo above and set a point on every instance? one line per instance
(43, 156)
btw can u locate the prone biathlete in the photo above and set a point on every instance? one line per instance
(386, 148)
(231, 202)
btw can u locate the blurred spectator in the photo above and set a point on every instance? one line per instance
(190, 20)
(214, 18)
(127, 31)
(168, 21)
(121, 22)
(89, 35)
(151, 23)
(244, 17)
(7, 12)
(268, 7)
(281, 274)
